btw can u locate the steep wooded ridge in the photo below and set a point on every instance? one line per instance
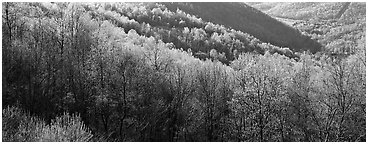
(249, 20)
(185, 31)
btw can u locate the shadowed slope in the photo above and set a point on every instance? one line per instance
(250, 20)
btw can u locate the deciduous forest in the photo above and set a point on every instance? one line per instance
(171, 72)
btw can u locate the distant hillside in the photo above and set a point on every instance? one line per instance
(354, 12)
(300, 10)
(242, 17)
(339, 27)
(311, 10)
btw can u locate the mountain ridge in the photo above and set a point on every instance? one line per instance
(249, 20)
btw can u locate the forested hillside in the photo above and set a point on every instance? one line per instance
(146, 72)
(338, 27)
(300, 10)
(250, 20)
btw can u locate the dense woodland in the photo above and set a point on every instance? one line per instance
(142, 72)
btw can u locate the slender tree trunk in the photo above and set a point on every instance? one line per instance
(101, 76)
(282, 130)
(105, 121)
(8, 20)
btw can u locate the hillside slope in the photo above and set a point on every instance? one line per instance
(339, 27)
(311, 10)
(299, 10)
(250, 20)
(184, 31)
